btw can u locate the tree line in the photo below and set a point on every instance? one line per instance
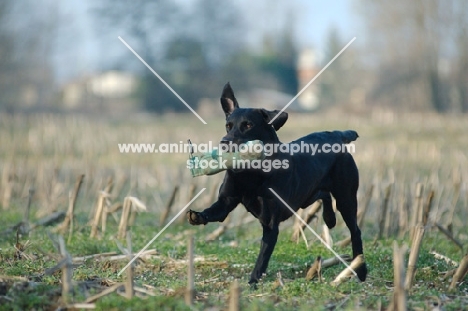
(413, 56)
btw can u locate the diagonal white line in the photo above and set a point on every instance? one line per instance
(312, 230)
(160, 232)
(162, 80)
(313, 79)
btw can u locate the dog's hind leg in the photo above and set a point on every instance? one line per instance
(269, 239)
(347, 210)
(345, 185)
(328, 213)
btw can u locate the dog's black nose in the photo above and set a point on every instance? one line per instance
(225, 142)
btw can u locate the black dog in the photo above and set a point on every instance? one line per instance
(306, 179)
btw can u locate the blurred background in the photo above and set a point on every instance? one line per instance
(71, 91)
(65, 56)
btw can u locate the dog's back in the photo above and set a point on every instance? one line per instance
(311, 159)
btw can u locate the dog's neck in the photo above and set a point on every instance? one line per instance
(273, 138)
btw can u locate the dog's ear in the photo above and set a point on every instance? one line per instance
(228, 100)
(279, 121)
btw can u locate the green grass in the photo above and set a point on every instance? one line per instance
(47, 153)
(226, 261)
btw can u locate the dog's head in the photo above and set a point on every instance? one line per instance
(244, 124)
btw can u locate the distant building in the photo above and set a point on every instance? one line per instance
(109, 91)
(307, 69)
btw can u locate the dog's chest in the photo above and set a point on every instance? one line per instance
(253, 204)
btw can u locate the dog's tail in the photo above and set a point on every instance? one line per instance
(348, 136)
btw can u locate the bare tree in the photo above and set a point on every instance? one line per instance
(7, 63)
(186, 45)
(459, 93)
(27, 31)
(413, 43)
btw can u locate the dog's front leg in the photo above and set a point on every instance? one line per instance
(270, 236)
(218, 211)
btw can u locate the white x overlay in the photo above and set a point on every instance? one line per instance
(313, 79)
(160, 232)
(203, 121)
(312, 230)
(160, 78)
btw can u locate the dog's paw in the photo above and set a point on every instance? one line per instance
(362, 272)
(253, 285)
(196, 218)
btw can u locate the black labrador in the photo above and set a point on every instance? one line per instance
(305, 179)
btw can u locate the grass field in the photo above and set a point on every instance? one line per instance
(396, 155)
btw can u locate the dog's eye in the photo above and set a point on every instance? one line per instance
(246, 125)
(228, 126)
